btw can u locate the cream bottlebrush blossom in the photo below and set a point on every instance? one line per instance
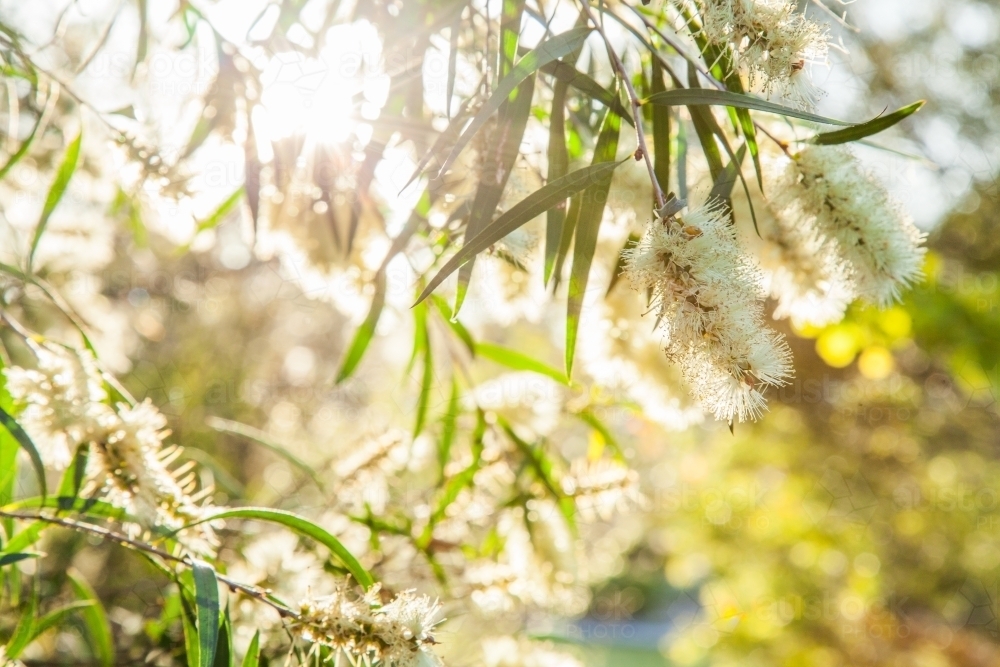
(132, 466)
(65, 405)
(707, 296)
(825, 188)
(601, 488)
(365, 632)
(772, 41)
(63, 399)
(802, 271)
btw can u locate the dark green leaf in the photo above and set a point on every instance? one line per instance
(524, 211)
(303, 527)
(11, 558)
(705, 96)
(558, 165)
(593, 200)
(864, 130)
(56, 193)
(453, 322)
(568, 74)
(224, 648)
(207, 598)
(661, 132)
(427, 373)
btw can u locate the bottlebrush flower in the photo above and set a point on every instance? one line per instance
(826, 189)
(771, 40)
(709, 304)
(365, 632)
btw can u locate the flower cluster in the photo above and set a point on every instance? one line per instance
(66, 407)
(366, 632)
(771, 40)
(843, 223)
(707, 298)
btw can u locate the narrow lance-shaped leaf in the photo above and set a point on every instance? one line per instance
(566, 73)
(517, 361)
(864, 130)
(252, 656)
(56, 192)
(706, 96)
(661, 131)
(303, 527)
(366, 331)
(585, 239)
(25, 628)
(501, 155)
(524, 211)
(95, 620)
(207, 599)
(59, 616)
(566, 238)
(549, 50)
(427, 371)
(558, 165)
(27, 445)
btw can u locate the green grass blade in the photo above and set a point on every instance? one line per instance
(661, 131)
(25, 628)
(58, 616)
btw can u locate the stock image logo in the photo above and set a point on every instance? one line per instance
(975, 606)
(837, 497)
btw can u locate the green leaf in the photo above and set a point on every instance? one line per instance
(448, 423)
(549, 50)
(72, 479)
(264, 440)
(303, 527)
(58, 616)
(510, 30)
(569, 75)
(252, 657)
(92, 507)
(221, 211)
(427, 375)
(27, 445)
(864, 130)
(445, 310)
(524, 211)
(518, 361)
(95, 620)
(11, 558)
(25, 538)
(224, 648)
(558, 166)
(364, 334)
(25, 628)
(566, 238)
(661, 131)
(497, 167)
(207, 599)
(585, 239)
(705, 96)
(22, 150)
(56, 193)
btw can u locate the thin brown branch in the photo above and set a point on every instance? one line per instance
(124, 540)
(640, 134)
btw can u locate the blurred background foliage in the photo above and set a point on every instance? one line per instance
(858, 523)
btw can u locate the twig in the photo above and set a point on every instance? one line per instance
(640, 134)
(124, 540)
